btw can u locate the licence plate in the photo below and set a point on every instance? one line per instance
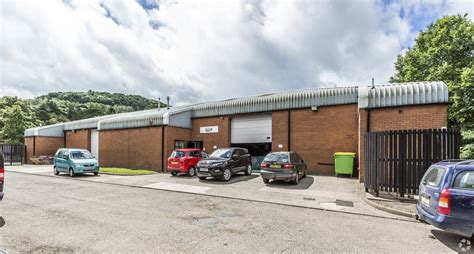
(425, 201)
(88, 169)
(275, 166)
(203, 169)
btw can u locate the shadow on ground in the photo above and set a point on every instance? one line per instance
(456, 243)
(304, 184)
(235, 179)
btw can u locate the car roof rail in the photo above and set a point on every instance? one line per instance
(452, 160)
(465, 162)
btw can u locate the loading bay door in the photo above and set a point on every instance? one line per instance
(251, 129)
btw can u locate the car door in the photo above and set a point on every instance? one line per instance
(194, 158)
(58, 160)
(235, 160)
(462, 200)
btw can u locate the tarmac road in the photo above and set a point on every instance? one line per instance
(51, 214)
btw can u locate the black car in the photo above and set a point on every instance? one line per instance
(224, 163)
(2, 175)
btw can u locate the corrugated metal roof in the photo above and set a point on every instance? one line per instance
(55, 130)
(302, 98)
(403, 94)
(91, 123)
(149, 118)
(366, 97)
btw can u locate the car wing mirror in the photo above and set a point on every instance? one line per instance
(302, 161)
(235, 156)
(65, 157)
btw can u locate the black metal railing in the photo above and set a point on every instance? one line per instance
(395, 161)
(13, 153)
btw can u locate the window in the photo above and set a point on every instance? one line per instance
(80, 155)
(276, 158)
(434, 176)
(59, 154)
(204, 155)
(194, 154)
(178, 144)
(464, 180)
(221, 153)
(178, 154)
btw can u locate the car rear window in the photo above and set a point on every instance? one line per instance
(464, 180)
(434, 176)
(178, 154)
(276, 158)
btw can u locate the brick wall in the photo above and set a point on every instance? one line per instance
(43, 146)
(220, 139)
(78, 139)
(138, 148)
(172, 134)
(401, 118)
(317, 135)
(280, 130)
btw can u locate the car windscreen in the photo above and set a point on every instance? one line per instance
(276, 158)
(434, 176)
(221, 153)
(178, 154)
(80, 155)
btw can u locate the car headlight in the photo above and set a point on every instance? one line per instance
(77, 164)
(219, 164)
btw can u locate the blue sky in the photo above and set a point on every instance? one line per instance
(197, 49)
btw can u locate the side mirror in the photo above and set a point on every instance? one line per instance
(302, 161)
(234, 156)
(65, 156)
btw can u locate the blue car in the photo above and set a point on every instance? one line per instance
(446, 198)
(75, 161)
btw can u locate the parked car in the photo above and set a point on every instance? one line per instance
(75, 161)
(185, 161)
(446, 197)
(2, 175)
(224, 163)
(287, 166)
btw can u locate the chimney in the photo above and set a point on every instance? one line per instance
(159, 103)
(167, 102)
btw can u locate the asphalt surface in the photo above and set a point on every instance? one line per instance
(60, 214)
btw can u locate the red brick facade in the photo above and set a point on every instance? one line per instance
(38, 146)
(78, 139)
(211, 140)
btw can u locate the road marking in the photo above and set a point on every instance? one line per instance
(178, 187)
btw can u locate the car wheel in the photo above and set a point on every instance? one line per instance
(191, 171)
(202, 177)
(265, 180)
(249, 170)
(96, 173)
(56, 172)
(297, 179)
(174, 173)
(226, 175)
(71, 172)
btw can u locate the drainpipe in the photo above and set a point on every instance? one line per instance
(289, 130)
(162, 148)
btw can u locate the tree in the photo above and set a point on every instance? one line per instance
(445, 52)
(15, 121)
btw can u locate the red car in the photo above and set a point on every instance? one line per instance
(185, 160)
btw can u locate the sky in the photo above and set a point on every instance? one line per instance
(201, 50)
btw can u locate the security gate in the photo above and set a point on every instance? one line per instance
(251, 129)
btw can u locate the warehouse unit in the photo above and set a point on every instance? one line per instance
(315, 122)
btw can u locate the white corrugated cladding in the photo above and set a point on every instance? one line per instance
(251, 129)
(95, 143)
(55, 130)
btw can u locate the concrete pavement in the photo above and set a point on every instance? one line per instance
(60, 214)
(319, 192)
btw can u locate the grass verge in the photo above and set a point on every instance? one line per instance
(126, 171)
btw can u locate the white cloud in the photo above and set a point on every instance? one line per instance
(202, 49)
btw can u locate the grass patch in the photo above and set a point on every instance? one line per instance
(126, 171)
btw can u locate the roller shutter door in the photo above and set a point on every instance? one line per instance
(251, 129)
(95, 143)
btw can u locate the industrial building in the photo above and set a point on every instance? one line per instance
(315, 122)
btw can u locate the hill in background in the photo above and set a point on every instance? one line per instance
(17, 114)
